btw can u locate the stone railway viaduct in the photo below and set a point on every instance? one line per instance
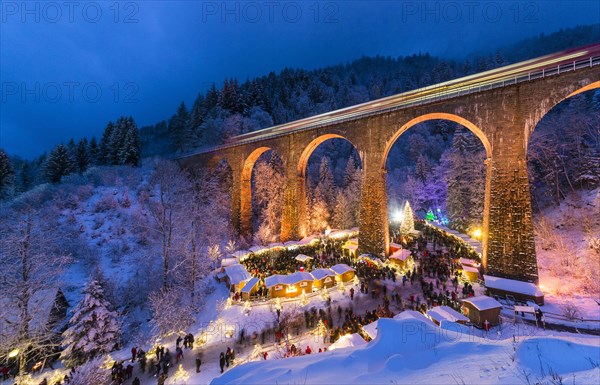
(502, 115)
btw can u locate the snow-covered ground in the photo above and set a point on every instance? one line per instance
(410, 351)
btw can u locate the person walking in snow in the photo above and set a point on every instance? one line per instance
(133, 353)
(222, 361)
(178, 341)
(198, 362)
(136, 381)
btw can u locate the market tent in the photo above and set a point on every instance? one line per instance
(471, 272)
(303, 258)
(371, 259)
(347, 341)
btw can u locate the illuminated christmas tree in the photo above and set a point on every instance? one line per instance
(303, 298)
(181, 376)
(408, 222)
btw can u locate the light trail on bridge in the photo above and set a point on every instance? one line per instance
(548, 65)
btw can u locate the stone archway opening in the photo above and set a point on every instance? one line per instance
(437, 163)
(563, 161)
(262, 184)
(330, 177)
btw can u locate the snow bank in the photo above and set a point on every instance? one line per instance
(511, 285)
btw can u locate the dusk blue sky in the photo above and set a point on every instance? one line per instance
(145, 57)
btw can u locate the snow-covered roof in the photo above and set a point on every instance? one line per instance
(237, 274)
(371, 329)
(240, 253)
(401, 254)
(291, 243)
(353, 240)
(412, 314)
(483, 302)
(341, 268)
(347, 341)
(470, 269)
(322, 273)
(374, 260)
(298, 276)
(303, 258)
(350, 246)
(526, 288)
(258, 249)
(446, 313)
(468, 262)
(228, 262)
(250, 285)
(307, 240)
(275, 245)
(277, 279)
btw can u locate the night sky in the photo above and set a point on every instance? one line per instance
(69, 68)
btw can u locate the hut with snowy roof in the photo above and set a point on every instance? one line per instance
(481, 308)
(343, 272)
(323, 278)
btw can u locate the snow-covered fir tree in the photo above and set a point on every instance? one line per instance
(6, 174)
(93, 329)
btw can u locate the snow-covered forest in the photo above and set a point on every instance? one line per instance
(106, 243)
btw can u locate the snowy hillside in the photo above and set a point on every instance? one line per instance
(411, 351)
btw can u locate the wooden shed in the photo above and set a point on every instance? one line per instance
(343, 272)
(323, 278)
(481, 308)
(471, 272)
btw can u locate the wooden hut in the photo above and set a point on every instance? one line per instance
(482, 308)
(343, 272)
(276, 285)
(250, 288)
(236, 277)
(298, 281)
(323, 278)
(402, 259)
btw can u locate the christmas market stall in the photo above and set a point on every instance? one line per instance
(347, 341)
(323, 278)
(521, 291)
(482, 308)
(343, 272)
(402, 259)
(299, 281)
(236, 277)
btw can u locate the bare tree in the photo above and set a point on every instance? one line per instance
(30, 274)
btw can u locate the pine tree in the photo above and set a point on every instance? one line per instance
(94, 152)
(6, 174)
(93, 329)
(82, 158)
(130, 151)
(105, 144)
(325, 188)
(59, 164)
(408, 222)
(179, 129)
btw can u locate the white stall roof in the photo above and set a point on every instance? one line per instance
(483, 302)
(237, 274)
(371, 329)
(322, 273)
(303, 258)
(347, 341)
(276, 279)
(298, 276)
(446, 313)
(511, 285)
(341, 268)
(250, 285)
(401, 254)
